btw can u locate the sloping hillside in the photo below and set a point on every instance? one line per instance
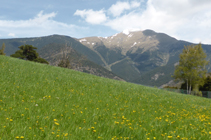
(40, 101)
(51, 48)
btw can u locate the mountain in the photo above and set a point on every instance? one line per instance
(142, 57)
(52, 48)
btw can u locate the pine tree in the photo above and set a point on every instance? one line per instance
(2, 49)
(192, 67)
(28, 52)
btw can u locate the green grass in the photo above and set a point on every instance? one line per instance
(44, 102)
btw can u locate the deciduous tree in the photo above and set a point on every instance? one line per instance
(192, 66)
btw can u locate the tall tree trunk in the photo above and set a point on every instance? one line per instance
(187, 86)
(190, 87)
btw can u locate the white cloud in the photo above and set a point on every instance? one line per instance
(184, 19)
(11, 34)
(41, 25)
(118, 8)
(93, 17)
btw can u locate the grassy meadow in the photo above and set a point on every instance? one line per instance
(39, 102)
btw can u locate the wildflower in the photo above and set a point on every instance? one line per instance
(22, 137)
(66, 134)
(116, 122)
(169, 137)
(56, 123)
(11, 120)
(94, 130)
(17, 137)
(52, 133)
(55, 120)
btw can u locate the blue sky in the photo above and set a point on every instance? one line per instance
(188, 20)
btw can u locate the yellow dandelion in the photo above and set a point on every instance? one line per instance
(17, 137)
(169, 137)
(11, 120)
(94, 130)
(22, 137)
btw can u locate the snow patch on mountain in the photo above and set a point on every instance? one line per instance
(126, 32)
(130, 35)
(133, 44)
(114, 36)
(82, 40)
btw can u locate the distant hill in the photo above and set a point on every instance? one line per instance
(143, 57)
